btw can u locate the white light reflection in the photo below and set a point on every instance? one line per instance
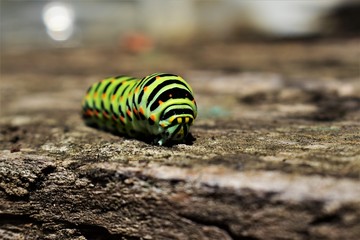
(59, 20)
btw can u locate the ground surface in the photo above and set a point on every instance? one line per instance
(277, 154)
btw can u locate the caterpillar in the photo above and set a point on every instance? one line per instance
(160, 107)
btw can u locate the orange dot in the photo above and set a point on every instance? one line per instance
(122, 119)
(103, 95)
(141, 110)
(95, 94)
(145, 88)
(135, 111)
(153, 117)
(89, 112)
(157, 77)
(113, 97)
(160, 102)
(128, 113)
(137, 89)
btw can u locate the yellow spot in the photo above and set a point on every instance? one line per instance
(153, 117)
(121, 98)
(171, 119)
(179, 120)
(113, 97)
(103, 96)
(162, 125)
(137, 89)
(95, 94)
(187, 119)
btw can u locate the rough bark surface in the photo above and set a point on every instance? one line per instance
(276, 156)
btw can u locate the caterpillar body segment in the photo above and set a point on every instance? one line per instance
(160, 107)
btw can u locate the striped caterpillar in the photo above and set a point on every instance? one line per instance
(160, 107)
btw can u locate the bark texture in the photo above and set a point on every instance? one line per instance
(276, 156)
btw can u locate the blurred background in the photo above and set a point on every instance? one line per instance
(139, 24)
(207, 41)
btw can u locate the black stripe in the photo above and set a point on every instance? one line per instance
(132, 87)
(167, 75)
(127, 104)
(165, 96)
(178, 111)
(148, 80)
(166, 83)
(112, 110)
(142, 86)
(176, 131)
(142, 116)
(175, 91)
(128, 108)
(117, 87)
(89, 89)
(97, 87)
(170, 106)
(140, 96)
(151, 122)
(186, 129)
(106, 87)
(123, 91)
(133, 101)
(121, 112)
(137, 116)
(95, 91)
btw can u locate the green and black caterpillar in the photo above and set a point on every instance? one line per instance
(160, 107)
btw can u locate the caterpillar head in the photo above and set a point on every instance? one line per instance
(177, 128)
(177, 112)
